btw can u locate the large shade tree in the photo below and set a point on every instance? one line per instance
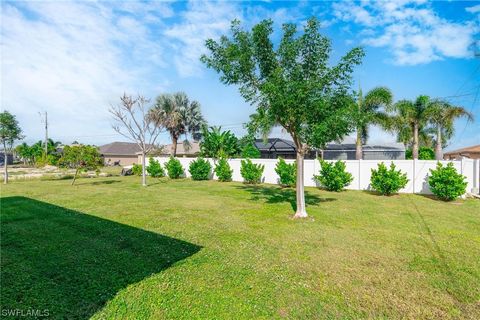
(371, 109)
(10, 131)
(441, 115)
(291, 84)
(411, 119)
(179, 116)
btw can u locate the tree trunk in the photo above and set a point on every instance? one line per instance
(174, 146)
(438, 146)
(301, 212)
(75, 176)
(415, 142)
(358, 148)
(5, 163)
(144, 174)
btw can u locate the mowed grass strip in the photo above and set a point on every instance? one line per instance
(109, 248)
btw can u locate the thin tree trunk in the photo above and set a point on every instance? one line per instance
(174, 146)
(415, 142)
(300, 189)
(144, 174)
(5, 163)
(75, 176)
(358, 148)
(438, 146)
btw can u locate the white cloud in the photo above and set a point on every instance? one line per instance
(412, 31)
(473, 9)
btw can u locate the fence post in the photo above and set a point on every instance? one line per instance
(414, 175)
(359, 174)
(476, 176)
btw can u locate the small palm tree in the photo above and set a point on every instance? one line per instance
(410, 120)
(179, 116)
(441, 115)
(369, 112)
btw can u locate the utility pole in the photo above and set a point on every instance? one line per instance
(46, 133)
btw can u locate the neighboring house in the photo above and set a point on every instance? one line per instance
(192, 150)
(274, 148)
(120, 153)
(472, 152)
(346, 151)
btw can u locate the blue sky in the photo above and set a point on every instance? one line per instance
(74, 59)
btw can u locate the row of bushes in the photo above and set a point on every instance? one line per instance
(444, 182)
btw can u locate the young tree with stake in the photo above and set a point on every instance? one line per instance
(292, 84)
(9, 132)
(134, 123)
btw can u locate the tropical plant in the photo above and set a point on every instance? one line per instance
(369, 112)
(251, 172)
(410, 120)
(80, 158)
(424, 153)
(250, 151)
(10, 131)
(218, 144)
(333, 176)
(286, 173)
(179, 116)
(24, 151)
(441, 114)
(200, 169)
(155, 169)
(223, 170)
(387, 181)
(446, 183)
(174, 168)
(293, 85)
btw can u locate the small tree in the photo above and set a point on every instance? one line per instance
(200, 169)
(333, 176)
(388, 181)
(10, 131)
(446, 183)
(134, 123)
(286, 173)
(223, 170)
(292, 84)
(155, 169)
(174, 168)
(80, 158)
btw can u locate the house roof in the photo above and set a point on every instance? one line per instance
(193, 150)
(120, 148)
(274, 144)
(472, 149)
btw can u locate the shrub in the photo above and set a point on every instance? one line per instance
(137, 169)
(424, 153)
(386, 181)
(174, 168)
(223, 171)
(200, 169)
(251, 172)
(446, 183)
(154, 168)
(333, 176)
(249, 151)
(286, 172)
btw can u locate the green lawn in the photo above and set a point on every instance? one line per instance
(109, 248)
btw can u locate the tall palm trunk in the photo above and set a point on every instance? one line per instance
(438, 145)
(5, 162)
(173, 152)
(415, 141)
(358, 148)
(300, 189)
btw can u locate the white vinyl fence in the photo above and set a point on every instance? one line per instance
(417, 171)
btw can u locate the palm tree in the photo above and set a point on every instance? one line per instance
(179, 116)
(369, 113)
(410, 120)
(441, 115)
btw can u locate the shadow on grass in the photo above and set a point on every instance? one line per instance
(279, 195)
(71, 263)
(97, 183)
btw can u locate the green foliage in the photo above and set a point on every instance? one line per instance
(200, 169)
(250, 151)
(251, 172)
(387, 181)
(137, 169)
(154, 168)
(81, 158)
(424, 153)
(223, 170)
(333, 176)
(446, 183)
(286, 172)
(174, 168)
(218, 144)
(9, 129)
